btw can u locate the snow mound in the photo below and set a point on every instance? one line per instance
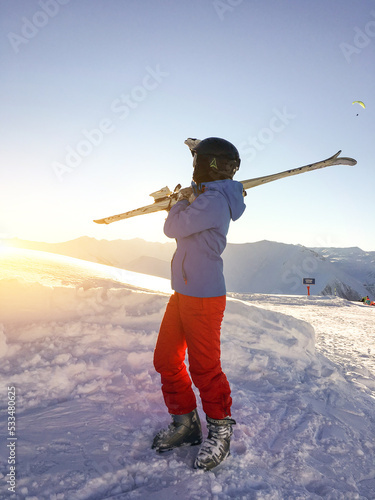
(23, 302)
(89, 403)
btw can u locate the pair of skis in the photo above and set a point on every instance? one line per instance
(165, 198)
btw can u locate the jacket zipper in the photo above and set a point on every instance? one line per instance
(183, 270)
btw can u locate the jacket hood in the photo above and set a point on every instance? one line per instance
(231, 190)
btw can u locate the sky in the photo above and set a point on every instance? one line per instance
(98, 96)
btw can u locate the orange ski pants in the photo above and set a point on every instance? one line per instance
(192, 324)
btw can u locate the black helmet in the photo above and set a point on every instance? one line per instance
(214, 159)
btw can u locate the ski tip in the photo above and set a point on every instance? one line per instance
(100, 221)
(348, 161)
(192, 143)
(342, 160)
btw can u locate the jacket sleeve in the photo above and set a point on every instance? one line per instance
(204, 213)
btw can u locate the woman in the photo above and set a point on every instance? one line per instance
(199, 222)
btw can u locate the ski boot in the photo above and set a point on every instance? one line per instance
(216, 447)
(184, 430)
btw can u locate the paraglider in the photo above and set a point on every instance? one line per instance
(360, 103)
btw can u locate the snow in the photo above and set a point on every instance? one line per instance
(347, 338)
(77, 344)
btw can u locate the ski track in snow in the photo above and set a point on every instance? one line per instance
(89, 400)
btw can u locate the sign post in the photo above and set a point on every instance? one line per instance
(308, 282)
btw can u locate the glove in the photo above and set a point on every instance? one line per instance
(186, 194)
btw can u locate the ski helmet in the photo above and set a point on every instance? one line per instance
(214, 159)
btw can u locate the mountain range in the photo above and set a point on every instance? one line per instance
(261, 267)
